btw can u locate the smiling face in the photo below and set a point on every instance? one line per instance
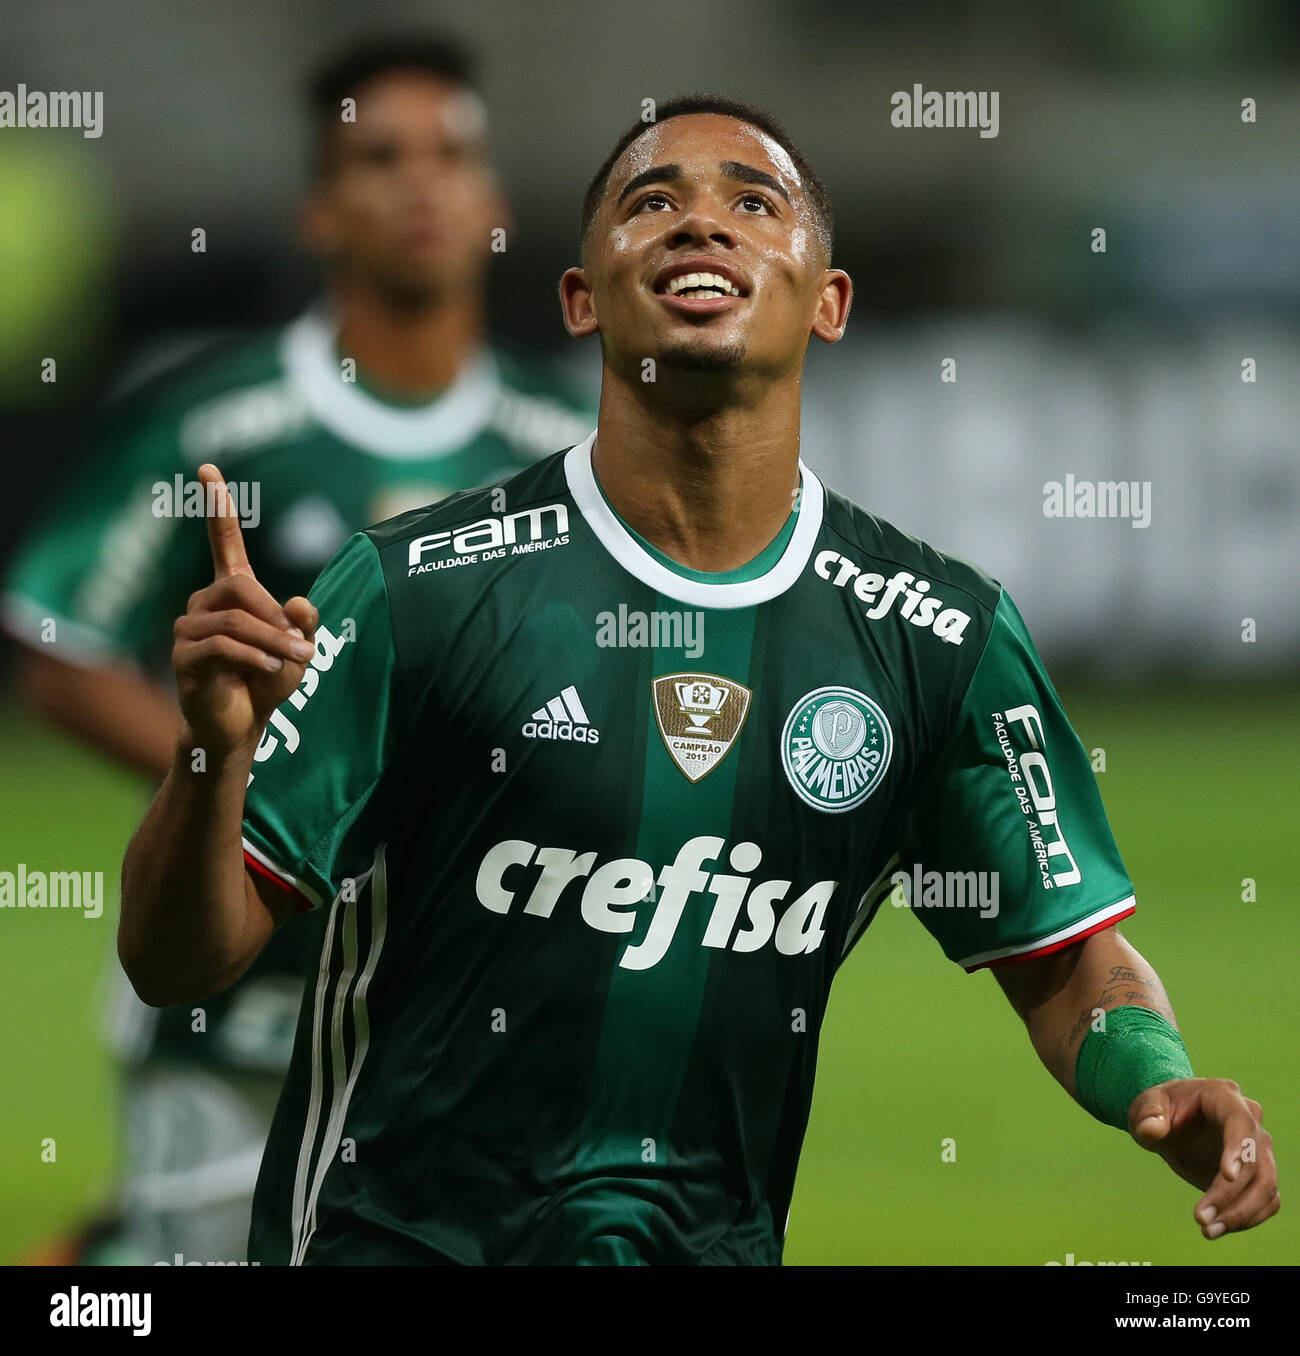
(407, 200)
(705, 255)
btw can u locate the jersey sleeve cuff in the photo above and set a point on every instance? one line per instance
(1055, 941)
(25, 619)
(258, 862)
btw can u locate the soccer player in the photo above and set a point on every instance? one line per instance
(387, 396)
(600, 773)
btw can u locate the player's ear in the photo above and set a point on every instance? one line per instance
(577, 304)
(833, 302)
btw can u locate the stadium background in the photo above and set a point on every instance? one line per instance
(1123, 365)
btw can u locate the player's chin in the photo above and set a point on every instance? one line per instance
(416, 284)
(421, 275)
(704, 351)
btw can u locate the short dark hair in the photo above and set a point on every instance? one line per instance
(728, 108)
(346, 70)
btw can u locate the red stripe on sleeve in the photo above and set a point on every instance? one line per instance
(1055, 946)
(303, 905)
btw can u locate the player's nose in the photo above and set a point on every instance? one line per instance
(703, 221)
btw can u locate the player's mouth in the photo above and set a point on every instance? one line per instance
(700, 286)
(422, 233)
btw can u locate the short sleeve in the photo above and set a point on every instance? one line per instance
(104, 575)
(315, 790)
(1006, 853)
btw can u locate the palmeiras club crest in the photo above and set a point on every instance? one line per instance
(836, 747)
(699, 717)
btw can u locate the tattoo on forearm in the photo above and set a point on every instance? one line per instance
(1124, 987)
(1076, 1030)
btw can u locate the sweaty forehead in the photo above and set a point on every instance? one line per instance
(701, 142)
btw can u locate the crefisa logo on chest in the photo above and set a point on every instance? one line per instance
(835, 748)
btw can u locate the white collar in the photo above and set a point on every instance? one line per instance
(311, 363)
(634, 558)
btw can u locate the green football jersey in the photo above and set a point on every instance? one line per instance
(594, 833)
(315, 456)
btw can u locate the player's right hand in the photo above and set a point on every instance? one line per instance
(237, 654)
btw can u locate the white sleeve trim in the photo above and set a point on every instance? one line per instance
(1125, 905)
(307, 891)
(77, 643)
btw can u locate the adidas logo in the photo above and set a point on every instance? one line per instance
(563, 717)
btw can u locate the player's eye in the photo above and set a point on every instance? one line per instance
(460, 152)
(756, 200)
(653, 198)
(379, 153)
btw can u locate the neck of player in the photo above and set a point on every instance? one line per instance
(413, 348)
(708, 483)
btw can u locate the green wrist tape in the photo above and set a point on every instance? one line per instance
(1136, 1050)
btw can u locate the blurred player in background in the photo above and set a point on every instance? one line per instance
(385, 397)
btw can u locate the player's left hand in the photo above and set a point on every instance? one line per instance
(1212, 1137)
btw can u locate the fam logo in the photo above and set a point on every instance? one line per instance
(699, 717)
(523, 533)
(835, 748)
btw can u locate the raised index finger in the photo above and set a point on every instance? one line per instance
(224, 536)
